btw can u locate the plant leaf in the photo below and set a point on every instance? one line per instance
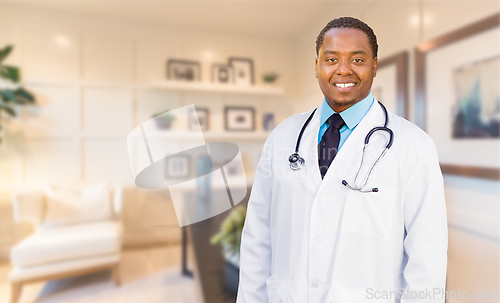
(9, 110)
(5, 52)
(24, 95)
(8, 95)
(10, 72)
(217, 238)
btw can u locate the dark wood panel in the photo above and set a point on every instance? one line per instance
(471, 171)
(209, 259)
(461, 33)
(401, 62)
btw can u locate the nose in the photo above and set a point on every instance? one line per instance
(344, 68)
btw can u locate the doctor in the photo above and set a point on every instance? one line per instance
(310, 238)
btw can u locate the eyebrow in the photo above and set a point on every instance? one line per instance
(352, 53)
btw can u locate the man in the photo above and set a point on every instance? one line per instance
(310, 235)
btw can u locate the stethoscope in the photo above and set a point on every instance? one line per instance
(296, 161)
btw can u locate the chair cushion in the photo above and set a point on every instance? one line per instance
(67, 206)
(54, 269)
(69, 242)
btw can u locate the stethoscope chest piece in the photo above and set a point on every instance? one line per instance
(296, 161)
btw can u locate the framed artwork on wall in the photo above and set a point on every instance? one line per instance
(199, 115)
(390, 86)
(240, 118)
(458, 98)
(243, 71)
(222, 74)
(177, 166)
(183, 70)
(269, 122)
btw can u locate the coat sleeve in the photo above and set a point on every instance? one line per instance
(255, 251)
(426, 240)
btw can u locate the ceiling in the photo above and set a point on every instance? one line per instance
(273, 18)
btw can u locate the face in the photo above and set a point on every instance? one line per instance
(345, 67)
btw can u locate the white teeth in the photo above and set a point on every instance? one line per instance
(344, 85)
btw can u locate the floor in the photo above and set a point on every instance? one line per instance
(148, 275)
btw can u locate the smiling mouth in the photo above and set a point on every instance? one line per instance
(345, 85)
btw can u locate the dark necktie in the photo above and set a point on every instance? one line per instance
(327, 148)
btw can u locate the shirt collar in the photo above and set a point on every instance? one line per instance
(352, 115)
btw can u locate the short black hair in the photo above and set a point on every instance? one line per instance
(349, 22)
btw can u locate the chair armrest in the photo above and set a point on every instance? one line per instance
(28, 207)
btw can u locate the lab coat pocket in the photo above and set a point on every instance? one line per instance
(369, 214)
(276, 291)
(339, 294)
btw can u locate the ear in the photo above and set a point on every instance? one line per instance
(316, 66)
(375, 65)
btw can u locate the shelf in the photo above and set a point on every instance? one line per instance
(214, 184)
(218, 88)
(208, 135)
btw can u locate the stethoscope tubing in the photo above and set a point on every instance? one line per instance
(296, 161)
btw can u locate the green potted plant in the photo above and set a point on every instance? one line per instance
(229, 235)
(270, 77)
(163, 120)
(12, 94)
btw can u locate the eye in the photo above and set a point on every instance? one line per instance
(331, 60)
(357, 60)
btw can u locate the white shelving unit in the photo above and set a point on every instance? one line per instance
(218, 88)
(251, 140)
(210, 135)
(203, 87)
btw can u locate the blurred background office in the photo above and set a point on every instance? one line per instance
(97, 69)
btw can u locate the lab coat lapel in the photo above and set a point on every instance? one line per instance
(310, 139)
(354, 144)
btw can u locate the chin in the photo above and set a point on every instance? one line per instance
(344, 102)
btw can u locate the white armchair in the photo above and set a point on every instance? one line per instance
(64, 250)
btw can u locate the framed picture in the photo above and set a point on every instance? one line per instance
(240, 118)
(243, 70)
(269, 122)
(222, 74)
(390, 86)
(177, 166)
(458, 98)
(199, 115)
(183, 70)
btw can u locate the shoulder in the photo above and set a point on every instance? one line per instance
(411, 138)
(290, 125)
(407, 131)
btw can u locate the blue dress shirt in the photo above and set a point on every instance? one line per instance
(351, 116)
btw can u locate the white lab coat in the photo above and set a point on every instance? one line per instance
(312, 240)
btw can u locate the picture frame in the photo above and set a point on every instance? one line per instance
(243, 71)
(269, 122)
(183, 70)
(177, 166)
(436, 96)
(239, 118)
(390, 86)
(199, 116)
(222, 74)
